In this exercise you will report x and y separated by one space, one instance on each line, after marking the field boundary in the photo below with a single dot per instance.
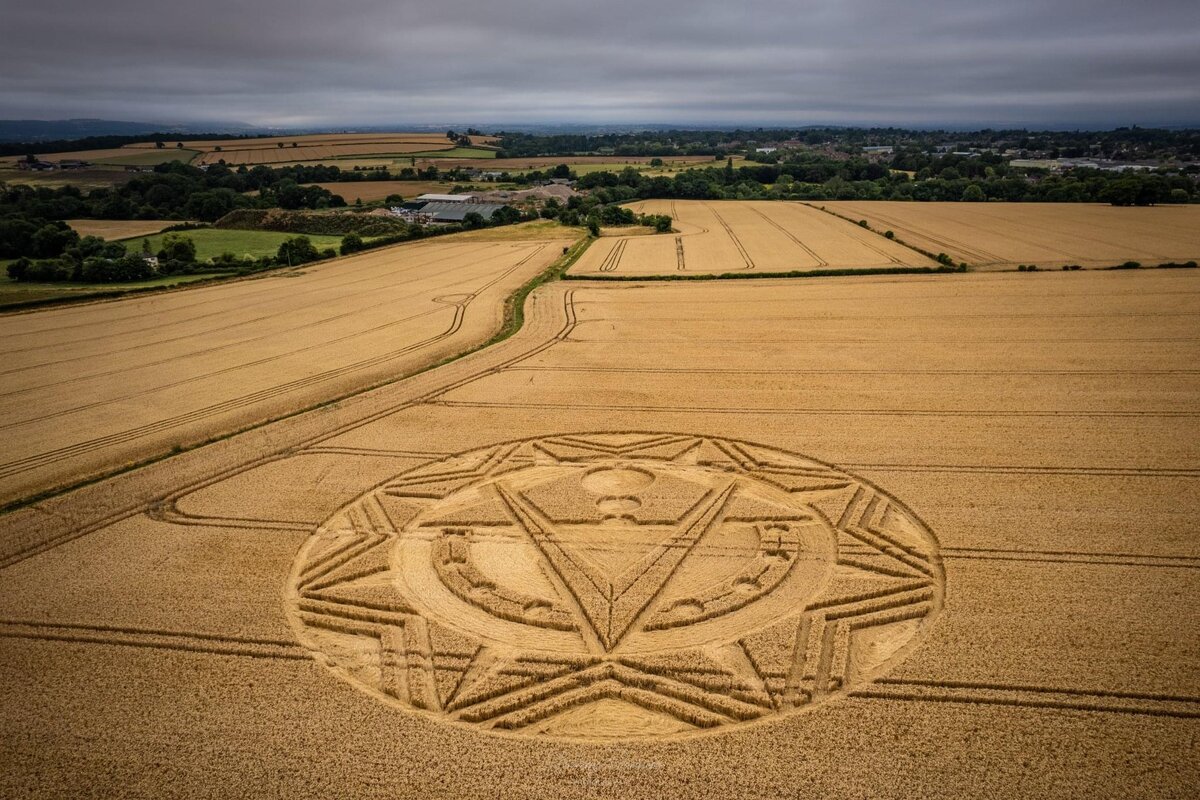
796 273
963 267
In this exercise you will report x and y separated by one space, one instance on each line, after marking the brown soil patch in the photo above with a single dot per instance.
119 228
1004 235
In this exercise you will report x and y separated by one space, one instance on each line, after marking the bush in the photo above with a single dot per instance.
296 250
889 235
1129 265
177 247
116 270
351 243
16 270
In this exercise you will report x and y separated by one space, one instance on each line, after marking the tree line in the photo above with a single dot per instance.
861 180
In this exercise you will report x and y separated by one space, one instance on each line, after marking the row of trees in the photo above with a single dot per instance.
796 182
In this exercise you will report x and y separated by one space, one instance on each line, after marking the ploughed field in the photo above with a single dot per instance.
1005 235
720 236
86 389
905 536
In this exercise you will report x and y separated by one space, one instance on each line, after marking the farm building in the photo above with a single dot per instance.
457 212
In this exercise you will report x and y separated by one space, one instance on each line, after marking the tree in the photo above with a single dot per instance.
473 219
656 162
351 243
296 250
177 247
593 226
51 240
974 193
159 144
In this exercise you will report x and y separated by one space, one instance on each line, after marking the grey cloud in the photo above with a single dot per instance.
766 61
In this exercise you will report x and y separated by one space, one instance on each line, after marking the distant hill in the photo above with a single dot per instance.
41 130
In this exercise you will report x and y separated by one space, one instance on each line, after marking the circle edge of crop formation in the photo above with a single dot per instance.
445 560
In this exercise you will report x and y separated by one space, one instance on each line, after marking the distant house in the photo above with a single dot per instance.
36 166
151 261
765 149
73 163
879 150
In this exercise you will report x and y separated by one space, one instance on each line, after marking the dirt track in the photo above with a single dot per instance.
234 616
88 388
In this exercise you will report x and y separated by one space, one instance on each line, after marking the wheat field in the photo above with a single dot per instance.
89 388
910 536
1005 235
719 236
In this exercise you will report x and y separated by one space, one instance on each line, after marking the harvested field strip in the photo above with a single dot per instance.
820 261
10 468
196 377
318 278
750 239
119 229
256 321
733 237
1001 235
236 349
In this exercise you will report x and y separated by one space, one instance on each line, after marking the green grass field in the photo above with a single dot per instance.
12 292
211 242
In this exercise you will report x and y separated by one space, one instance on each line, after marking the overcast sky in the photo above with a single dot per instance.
377 62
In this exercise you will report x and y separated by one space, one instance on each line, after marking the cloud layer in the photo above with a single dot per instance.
362 62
